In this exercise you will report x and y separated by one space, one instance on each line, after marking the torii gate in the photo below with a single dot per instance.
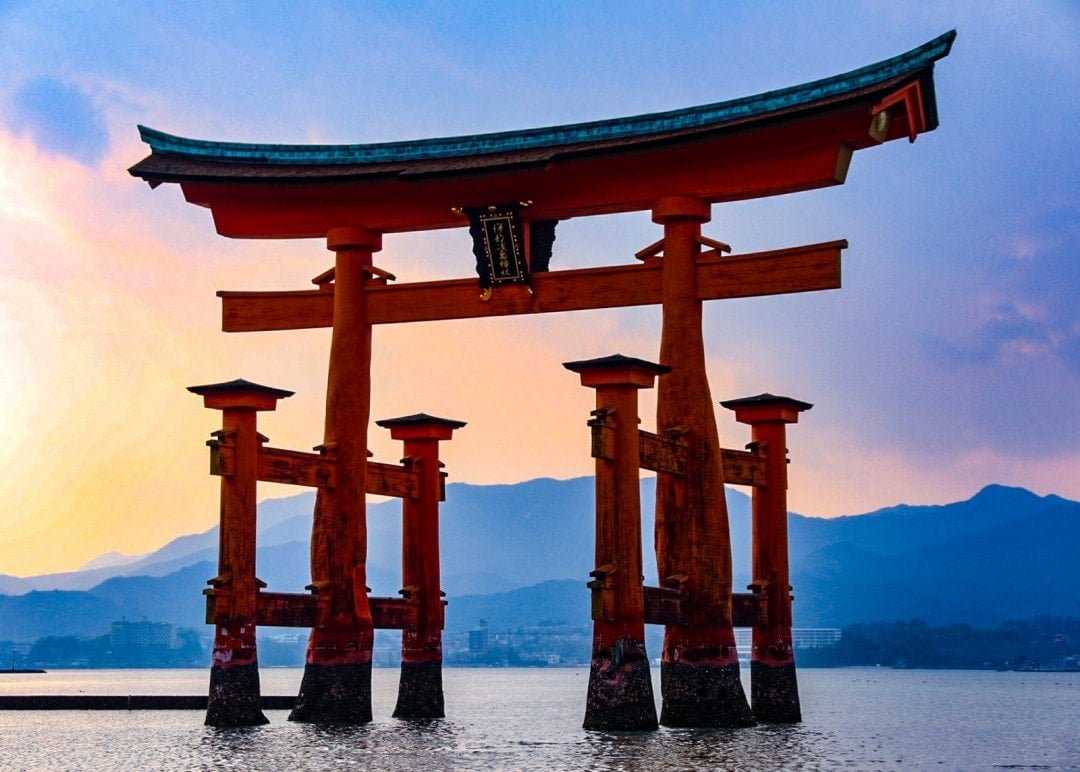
675 165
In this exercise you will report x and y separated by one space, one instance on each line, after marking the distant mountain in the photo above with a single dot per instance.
560 601
486 531
1003 554
110 560
515 554
178 553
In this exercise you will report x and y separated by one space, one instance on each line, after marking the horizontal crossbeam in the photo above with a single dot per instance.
301 609
665 606
798 269
747 610
742 467
294 467
658 454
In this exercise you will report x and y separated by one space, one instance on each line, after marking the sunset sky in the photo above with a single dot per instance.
949 360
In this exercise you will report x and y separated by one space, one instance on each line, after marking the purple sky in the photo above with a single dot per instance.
949 360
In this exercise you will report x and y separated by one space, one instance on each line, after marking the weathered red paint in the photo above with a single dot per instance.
234 698
699 667
337 674
773 688
420 690
620 694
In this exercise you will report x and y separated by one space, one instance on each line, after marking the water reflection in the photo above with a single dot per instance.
532 720
761 747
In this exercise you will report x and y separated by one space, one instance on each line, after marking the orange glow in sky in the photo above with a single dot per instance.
949 360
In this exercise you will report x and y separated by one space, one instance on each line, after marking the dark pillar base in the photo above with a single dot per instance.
334 694
420 690
234 698
620 690
703 696
774 692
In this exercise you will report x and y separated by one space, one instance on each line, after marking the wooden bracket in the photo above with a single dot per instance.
651 251
326 278
718 247
654 249
603 433
603 594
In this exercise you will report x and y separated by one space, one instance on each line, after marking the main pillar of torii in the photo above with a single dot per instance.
699 667
336 686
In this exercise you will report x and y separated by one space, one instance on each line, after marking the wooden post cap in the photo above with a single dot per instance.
420 426
766 407
239 394
680 207
617 370
353 236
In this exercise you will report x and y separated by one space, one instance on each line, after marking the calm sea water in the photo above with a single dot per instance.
525 719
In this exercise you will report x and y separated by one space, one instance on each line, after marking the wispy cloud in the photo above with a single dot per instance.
61 118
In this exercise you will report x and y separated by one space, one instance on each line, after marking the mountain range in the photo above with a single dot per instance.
519 554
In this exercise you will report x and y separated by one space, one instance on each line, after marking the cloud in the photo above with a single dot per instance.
61 118
1013 333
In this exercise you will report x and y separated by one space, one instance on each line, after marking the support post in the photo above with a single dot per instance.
420 690
774 689
234 698
699 666
620 695
336 687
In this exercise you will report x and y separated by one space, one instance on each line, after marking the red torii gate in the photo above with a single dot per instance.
675 165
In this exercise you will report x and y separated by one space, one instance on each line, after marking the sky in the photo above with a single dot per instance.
949 360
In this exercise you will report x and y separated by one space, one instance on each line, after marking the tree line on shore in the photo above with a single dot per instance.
1031 644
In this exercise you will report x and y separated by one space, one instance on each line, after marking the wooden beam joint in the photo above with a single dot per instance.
742 467
748 609
317 470
666 606
658 454
284 609
394 613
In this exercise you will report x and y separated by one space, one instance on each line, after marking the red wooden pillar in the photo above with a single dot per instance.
774 689
420 690
336 687
620 692
234 698
699 667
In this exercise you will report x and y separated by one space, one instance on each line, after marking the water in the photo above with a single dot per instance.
525 719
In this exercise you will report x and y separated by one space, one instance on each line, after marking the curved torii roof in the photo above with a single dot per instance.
781 141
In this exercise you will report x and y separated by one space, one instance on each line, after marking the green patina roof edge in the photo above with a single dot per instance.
558 136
